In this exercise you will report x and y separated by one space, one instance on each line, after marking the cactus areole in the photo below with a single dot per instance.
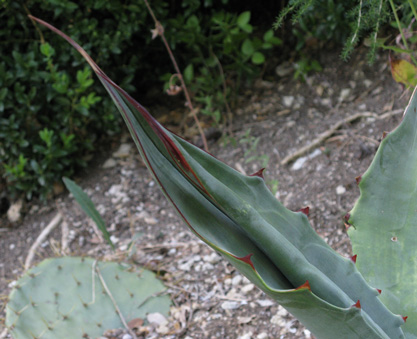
276 248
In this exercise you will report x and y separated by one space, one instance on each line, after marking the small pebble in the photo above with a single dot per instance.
156 318
230 305
247 288
246 336
110 163
340 190
288 101
265 303
236 280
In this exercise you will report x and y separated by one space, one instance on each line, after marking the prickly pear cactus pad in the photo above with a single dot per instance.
384 221
65 298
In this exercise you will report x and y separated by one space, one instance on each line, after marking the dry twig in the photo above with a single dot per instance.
64 238
48 229
159 30
326 134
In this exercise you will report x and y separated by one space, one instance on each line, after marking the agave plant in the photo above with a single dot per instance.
276 248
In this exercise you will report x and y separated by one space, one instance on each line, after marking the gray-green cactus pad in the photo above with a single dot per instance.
60 299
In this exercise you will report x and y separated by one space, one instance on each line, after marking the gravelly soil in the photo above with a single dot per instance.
211 299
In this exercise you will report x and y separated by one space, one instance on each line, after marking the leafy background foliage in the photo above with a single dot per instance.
53 111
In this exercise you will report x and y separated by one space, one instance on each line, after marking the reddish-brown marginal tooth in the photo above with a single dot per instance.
353 258
358 179
347 226
384 134
379 291
347 217
247 259
259 174
357 305
405 318
306 285
305 210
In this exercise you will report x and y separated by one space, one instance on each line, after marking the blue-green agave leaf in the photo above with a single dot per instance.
237 216
384 219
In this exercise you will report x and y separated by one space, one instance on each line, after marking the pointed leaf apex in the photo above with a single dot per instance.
379 291
358 179
259 174
306 285
357 305
405 318
305 210
353 258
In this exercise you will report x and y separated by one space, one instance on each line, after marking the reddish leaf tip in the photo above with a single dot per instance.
358 179
247 259
305 210
259 174
384 135
353 258
357 305
405 318
306 285
379 291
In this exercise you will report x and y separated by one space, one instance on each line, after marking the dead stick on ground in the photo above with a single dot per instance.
64 238
326 134
54 223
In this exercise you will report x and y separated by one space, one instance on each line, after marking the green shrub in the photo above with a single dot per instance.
39 144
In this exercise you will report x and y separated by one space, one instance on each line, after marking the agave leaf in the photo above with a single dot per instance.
237 216
384 219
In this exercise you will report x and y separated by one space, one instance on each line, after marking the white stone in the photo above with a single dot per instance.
114 239
367 83
156 318
123 151
265 303
340 190
299 163
246 336
277 320
213 258
230 305
262 335
247 288
117 192
127 336
109 163
344 94
14 211
12 246
288 101
236 280
207 266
